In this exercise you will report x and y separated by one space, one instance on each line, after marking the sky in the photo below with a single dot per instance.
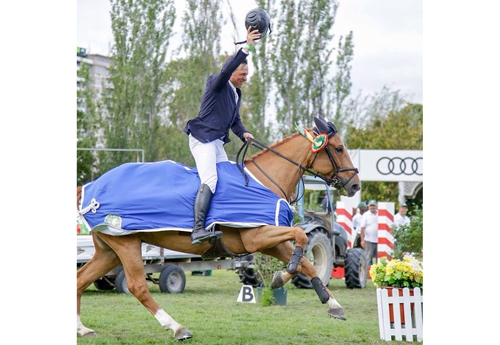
388 39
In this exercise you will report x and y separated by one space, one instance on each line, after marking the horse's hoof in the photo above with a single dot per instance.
337 313
89 335
277 281
182 334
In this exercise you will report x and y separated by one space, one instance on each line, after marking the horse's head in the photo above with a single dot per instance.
332 159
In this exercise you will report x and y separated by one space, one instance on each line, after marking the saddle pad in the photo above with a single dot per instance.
160 196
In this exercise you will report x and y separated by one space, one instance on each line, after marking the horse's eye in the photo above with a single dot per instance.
339 149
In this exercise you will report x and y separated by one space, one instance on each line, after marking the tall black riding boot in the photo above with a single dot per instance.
201 207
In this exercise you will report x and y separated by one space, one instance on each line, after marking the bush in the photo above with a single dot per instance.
266 267
410 239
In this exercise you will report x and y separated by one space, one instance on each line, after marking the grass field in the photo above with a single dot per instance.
208 308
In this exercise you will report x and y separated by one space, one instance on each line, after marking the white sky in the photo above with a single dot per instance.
388 39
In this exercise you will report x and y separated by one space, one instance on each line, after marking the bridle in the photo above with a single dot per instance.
334 180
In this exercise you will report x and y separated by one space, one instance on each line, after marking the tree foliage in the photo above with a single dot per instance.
410 238
142 32
343 84
87 127
301 61
296 72
397 130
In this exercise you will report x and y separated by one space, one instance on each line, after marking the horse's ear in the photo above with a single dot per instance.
322 126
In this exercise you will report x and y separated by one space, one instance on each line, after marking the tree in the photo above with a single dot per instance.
343 82
398 130
142 32
87 127
410 238
200 51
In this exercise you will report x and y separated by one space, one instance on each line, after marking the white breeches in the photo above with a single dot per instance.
207 155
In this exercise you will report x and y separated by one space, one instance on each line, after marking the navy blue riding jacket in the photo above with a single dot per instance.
219 111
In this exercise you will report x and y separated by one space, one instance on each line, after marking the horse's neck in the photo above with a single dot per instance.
284 173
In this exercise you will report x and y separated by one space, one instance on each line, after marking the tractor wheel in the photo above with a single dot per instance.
104 283
319 251
355 268
248 277
301 281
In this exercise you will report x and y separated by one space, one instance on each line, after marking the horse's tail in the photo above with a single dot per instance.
78 195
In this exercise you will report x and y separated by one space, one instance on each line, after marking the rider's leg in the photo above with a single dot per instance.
206 155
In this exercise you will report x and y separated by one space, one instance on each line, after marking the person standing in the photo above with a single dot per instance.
369 233
324 203
356 222
401 218
209 131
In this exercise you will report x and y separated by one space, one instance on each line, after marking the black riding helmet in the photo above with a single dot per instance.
258 19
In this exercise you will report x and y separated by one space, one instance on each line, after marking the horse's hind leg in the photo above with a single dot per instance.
128 249
103 261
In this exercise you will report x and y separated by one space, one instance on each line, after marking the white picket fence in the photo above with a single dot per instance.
413 326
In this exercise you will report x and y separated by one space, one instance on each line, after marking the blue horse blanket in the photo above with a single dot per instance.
160 196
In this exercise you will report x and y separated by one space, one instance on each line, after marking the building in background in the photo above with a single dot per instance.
98 74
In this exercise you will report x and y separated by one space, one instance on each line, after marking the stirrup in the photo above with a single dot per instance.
209 235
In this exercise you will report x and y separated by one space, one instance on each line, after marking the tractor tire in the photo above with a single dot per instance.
104 284
248 276
355 268
301 281
319 251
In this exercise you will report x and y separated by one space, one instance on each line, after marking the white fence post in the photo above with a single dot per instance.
413 326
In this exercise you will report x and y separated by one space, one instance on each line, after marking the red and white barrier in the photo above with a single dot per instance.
385 221
344 218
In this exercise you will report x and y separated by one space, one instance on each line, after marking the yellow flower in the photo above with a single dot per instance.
397 273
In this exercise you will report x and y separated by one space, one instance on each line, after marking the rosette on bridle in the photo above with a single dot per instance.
318 142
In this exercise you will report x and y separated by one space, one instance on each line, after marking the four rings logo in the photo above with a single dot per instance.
399 166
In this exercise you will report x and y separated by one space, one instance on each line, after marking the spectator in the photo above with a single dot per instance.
356 220
401 218
324 203
369 233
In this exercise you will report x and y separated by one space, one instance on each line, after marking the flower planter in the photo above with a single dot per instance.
401 306
400 313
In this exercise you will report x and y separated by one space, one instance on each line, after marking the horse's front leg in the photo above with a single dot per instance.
285 250
324 294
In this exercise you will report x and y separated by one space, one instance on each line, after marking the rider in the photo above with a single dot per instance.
209 131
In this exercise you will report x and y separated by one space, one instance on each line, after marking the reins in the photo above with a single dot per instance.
252 141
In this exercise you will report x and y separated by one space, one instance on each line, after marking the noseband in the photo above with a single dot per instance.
333 180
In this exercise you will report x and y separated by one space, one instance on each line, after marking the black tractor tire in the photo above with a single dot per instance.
172 279
319 251
355 268
104 283
301 281
248 276
121 282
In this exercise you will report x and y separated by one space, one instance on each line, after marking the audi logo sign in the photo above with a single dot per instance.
389 165
398 165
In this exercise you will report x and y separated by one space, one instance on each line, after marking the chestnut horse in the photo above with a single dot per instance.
279 167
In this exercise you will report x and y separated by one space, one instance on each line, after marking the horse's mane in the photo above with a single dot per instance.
273 146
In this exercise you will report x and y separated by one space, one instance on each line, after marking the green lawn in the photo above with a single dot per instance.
208 308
